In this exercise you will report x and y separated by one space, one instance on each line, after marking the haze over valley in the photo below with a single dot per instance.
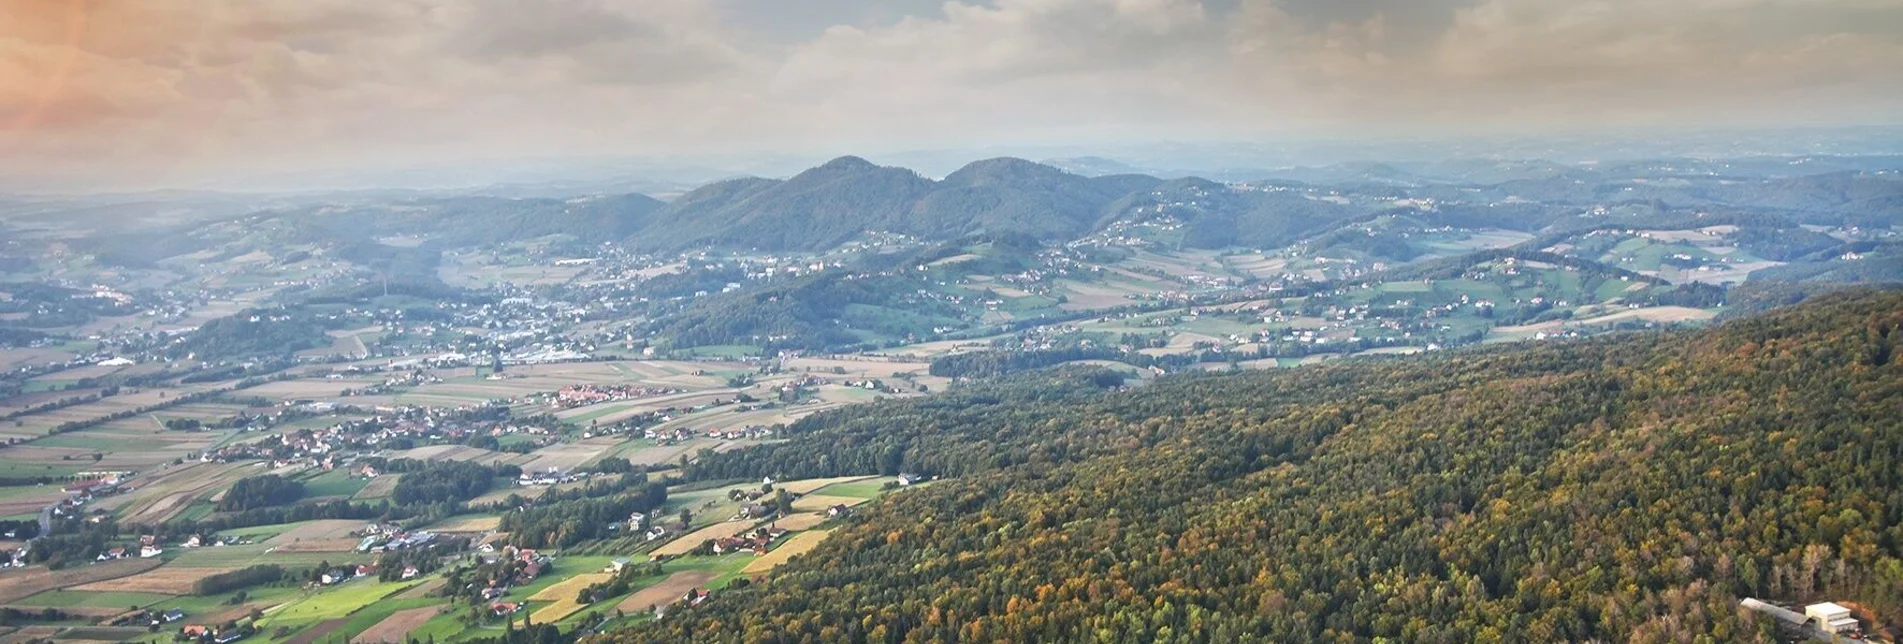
1022 320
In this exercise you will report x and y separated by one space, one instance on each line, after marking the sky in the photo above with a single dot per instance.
120 94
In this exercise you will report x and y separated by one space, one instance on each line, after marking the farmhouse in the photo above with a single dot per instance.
150 551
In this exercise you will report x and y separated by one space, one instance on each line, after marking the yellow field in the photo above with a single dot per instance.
692 540
806 486
820 502
166 581
468 524
800 521
798 545
563 594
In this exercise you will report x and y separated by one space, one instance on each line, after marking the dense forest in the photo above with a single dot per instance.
1627 488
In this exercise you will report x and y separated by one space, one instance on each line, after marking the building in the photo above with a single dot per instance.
1831 618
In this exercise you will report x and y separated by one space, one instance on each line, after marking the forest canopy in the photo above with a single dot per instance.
1629 488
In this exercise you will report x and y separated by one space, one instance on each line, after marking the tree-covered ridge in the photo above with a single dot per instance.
1630 488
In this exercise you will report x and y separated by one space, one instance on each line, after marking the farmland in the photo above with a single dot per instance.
561 597
365 428
393 629
799 544
667 591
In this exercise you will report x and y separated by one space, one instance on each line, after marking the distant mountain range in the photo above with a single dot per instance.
849 197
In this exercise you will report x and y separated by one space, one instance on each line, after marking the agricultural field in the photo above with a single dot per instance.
164 580
395 628
669 590
561 597
794 546
19 583
688 542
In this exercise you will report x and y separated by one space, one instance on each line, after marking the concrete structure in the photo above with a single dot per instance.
1779 613
1831 618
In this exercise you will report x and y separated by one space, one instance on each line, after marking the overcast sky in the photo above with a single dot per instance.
125 93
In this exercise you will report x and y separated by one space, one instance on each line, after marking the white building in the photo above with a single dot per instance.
1831 618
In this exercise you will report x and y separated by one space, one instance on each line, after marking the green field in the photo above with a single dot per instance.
866 489
17 469
76 599
84 440
23 490
333 602
333 483
253 554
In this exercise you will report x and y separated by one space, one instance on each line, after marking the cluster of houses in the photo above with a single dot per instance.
149 546
749 431
532 565
347 572
332 447
584 395
756 541
201 632
550 476
384 538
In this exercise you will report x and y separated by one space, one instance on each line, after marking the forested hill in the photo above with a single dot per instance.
1630 488
828 205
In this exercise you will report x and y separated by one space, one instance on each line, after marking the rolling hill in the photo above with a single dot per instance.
1628 488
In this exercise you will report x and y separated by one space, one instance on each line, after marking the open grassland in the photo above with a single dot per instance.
563 595
335 483
1657 314
808 486
333 603
468 523
668 591
688 542
18 583
864 487
319 530
80 598
820 502
167 580
257 553
799 544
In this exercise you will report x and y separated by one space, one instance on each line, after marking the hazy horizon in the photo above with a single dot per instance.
116 95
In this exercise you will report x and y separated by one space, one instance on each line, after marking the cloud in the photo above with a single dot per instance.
166 91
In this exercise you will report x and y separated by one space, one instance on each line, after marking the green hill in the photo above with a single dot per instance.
833 203
1629 488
